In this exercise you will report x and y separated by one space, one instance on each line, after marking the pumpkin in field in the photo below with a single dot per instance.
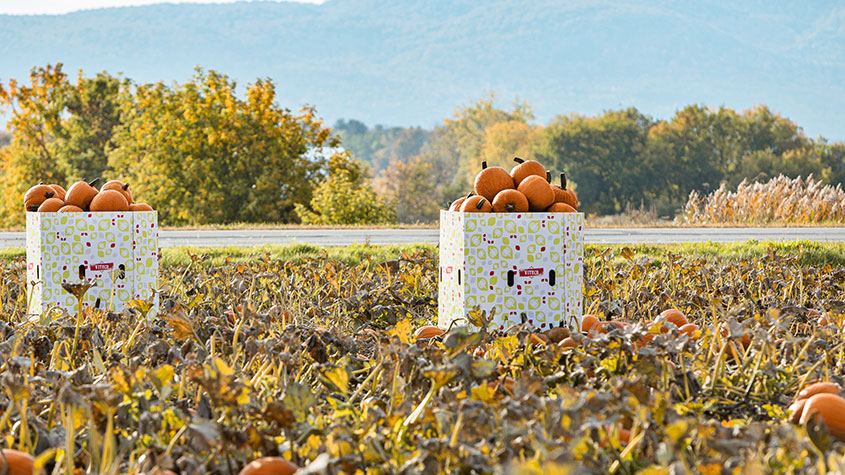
70 209
563 195
510 201
428 331
60 192
587 322
673 316
526 168
828 407
37 195
51 205
796 409
689 330
476 204
140 207
560 208
539 193
119 186
491 180
15 462
81 193
269 466
109 200
557 334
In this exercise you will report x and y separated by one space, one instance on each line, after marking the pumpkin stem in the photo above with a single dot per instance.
518 160
49 194
479 204
470 194
32 208
93 183
125 186
510 207
484 165
563 181
548 176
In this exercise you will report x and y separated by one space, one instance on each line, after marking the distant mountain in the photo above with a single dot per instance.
412 62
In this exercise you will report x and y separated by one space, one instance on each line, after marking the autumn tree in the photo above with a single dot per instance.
345 197
410 188
202 154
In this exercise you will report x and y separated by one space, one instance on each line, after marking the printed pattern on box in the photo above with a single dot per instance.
514 266
119 251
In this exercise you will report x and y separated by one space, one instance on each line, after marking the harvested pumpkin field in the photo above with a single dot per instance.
314 360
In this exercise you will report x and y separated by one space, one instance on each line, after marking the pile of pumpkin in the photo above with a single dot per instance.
82 196
527 187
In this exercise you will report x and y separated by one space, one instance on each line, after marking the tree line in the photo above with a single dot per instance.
616 159
204 151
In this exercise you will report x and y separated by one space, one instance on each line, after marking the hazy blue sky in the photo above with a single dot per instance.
29 7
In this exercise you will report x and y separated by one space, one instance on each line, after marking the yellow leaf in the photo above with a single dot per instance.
402 330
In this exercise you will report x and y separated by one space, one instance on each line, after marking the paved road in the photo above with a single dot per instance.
339 237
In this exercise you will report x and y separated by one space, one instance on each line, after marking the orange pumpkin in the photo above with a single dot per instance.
560 208
51 205
109 200
490 181
689 330
588 321
60 192
80 193
510 201
675 316
37 195
269 466
456 205
830 408
818 388
526 168
476 204
70 209
539 193
15 462
140 207
568 342
563 195
428 331
123 188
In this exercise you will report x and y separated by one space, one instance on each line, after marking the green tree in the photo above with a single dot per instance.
201 154
602 155
345 197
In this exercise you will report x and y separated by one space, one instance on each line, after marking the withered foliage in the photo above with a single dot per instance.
315 361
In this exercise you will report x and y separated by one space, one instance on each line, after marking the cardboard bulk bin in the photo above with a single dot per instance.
118 251
518 267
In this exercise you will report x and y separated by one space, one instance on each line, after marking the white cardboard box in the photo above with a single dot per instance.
515 266
117 250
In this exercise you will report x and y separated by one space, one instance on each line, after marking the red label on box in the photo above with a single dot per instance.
449 270
531 272
102 266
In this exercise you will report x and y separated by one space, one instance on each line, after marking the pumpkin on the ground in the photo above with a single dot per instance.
428 331
539 193
510 201
526 168
269 466
15 462
830 408
37 195
476 204
109 200
491 180
81 193
51 205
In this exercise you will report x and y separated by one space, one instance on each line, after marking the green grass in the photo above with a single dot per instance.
812 253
